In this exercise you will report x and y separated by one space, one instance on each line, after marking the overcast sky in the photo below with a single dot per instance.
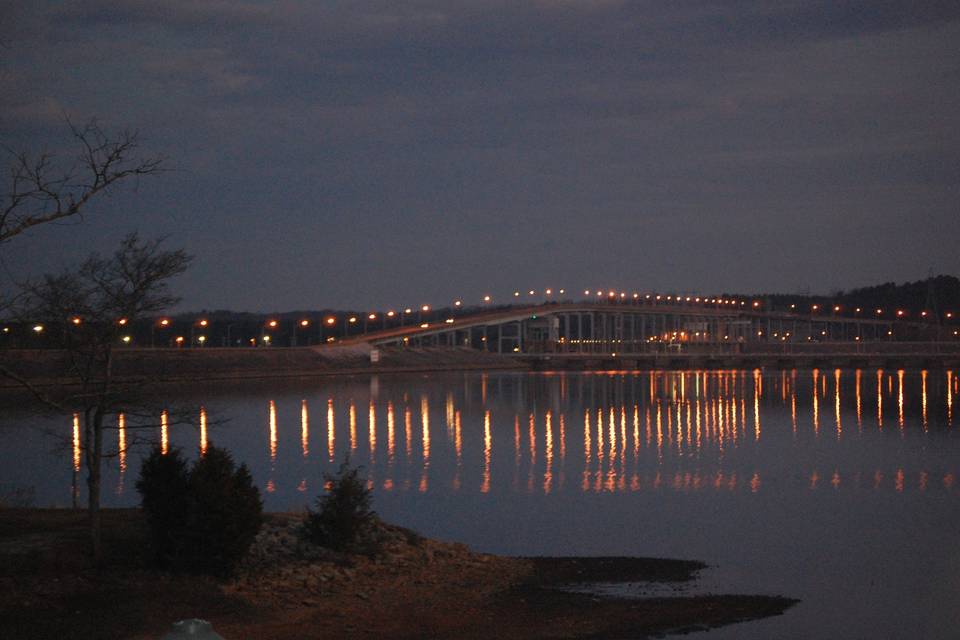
375 154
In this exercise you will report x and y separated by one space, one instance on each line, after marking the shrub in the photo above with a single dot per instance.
343 520
203 520
224 512
163 485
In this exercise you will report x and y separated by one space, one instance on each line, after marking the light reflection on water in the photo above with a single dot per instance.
790 481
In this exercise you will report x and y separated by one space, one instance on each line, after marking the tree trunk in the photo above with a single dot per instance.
94 463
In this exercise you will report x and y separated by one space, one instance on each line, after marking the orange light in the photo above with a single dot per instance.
179 340
331 320
424 325
756 304
122 321
457 303
75 320
815 307
486 298
390 314
38 328
272 324
408 310
879 311
164 322
353 319
549 292
304 323
203 323
836 308
899 312
372 316
425 307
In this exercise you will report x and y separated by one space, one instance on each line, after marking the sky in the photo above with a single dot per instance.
374 154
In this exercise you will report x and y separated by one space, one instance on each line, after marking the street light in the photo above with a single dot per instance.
163 322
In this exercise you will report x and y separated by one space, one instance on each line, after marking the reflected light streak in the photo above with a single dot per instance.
949 399
331 433
659 431
458 446
816 404
587 448
859 420
880 398
372 424
563 449
612 435
532 435
757 390
76 442
548 453
900 398
273 432
425 435
204 435
408 432
923 397
836 401
793 409
487 452
122 443
563 438
353 428
391 433
304 429
164 433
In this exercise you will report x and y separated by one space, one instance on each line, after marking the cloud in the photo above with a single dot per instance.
314 131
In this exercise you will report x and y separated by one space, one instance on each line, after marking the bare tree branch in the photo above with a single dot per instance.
39 193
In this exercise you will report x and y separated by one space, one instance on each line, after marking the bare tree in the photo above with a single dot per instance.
40 191
92 307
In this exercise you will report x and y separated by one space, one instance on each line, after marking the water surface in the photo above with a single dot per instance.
836 487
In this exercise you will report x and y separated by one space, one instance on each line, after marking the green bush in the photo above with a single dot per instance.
203 520
343 520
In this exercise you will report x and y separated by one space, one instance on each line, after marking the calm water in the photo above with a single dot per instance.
836 487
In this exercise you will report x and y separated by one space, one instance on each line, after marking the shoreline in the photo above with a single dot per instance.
169 368
417 587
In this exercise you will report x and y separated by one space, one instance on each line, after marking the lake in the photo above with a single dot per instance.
835 487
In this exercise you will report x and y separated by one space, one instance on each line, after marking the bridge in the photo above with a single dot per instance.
635 328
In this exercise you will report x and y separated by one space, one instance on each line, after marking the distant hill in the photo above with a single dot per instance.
936 295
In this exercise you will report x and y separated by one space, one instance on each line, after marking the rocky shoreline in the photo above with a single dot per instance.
288 589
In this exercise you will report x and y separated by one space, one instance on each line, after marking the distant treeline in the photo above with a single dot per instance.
937 296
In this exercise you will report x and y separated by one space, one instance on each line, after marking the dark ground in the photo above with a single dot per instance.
417 588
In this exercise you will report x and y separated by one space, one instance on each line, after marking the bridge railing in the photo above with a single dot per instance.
627 347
